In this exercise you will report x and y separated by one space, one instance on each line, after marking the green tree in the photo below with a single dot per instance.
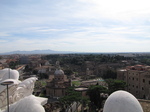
110 74
114 85
96 99
13 64
27 69
35 72
70 97
68 72
42 76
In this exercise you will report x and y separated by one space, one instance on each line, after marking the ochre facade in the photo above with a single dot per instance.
137 79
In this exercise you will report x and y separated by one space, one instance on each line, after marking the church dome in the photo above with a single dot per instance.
59 72
122 101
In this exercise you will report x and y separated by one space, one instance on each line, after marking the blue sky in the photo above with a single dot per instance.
75 25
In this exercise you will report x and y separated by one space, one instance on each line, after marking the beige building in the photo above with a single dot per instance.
137 79
57 84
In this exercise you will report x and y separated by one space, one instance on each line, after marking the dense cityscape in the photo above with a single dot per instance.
83 82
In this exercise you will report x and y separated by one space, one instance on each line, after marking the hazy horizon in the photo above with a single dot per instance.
49 51
75 25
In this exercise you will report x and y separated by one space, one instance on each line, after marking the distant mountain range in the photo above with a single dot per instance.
37 52
71 52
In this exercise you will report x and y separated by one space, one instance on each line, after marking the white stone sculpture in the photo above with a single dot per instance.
122 101
20 93
27 104
8 74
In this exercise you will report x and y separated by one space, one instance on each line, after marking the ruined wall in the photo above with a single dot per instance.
145 105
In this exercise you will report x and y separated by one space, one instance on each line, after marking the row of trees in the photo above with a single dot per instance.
72 96
13 64
79 59
109 74
97 95
144 59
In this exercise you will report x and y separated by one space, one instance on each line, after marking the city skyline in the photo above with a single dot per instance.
75 25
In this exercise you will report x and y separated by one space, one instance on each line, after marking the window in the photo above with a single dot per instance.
136 86
143 80
142 88
133 78
149 82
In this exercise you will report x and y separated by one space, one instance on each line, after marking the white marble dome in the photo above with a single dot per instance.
59 72
122 101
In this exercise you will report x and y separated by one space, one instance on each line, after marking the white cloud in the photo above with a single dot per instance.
4 34
120 10
2 41
78 25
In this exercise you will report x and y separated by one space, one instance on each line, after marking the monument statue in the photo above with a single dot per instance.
20 93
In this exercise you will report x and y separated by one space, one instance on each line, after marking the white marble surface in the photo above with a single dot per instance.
122 101
27 104
6 74
20 93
